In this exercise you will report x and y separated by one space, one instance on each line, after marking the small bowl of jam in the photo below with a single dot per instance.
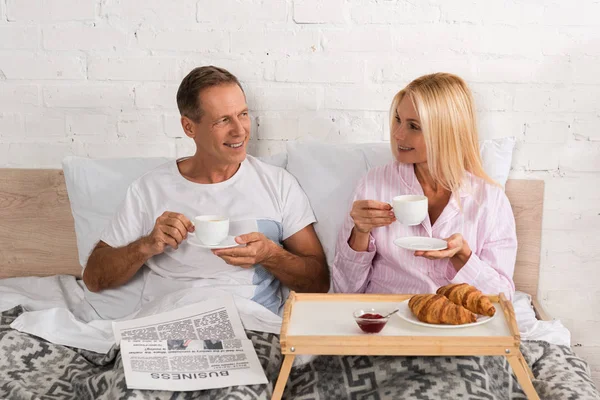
371 320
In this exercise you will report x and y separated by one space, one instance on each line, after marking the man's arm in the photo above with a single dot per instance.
110 267
300 265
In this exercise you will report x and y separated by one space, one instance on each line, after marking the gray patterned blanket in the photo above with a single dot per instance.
32 368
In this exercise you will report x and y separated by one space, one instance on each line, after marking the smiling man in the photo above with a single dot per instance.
269 213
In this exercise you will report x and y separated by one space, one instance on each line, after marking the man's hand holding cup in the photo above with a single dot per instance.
170 229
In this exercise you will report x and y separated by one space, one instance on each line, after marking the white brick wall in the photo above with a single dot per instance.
51 10
201 41
276 42
363 39
16 96
81 123
126 68
255 69
162 13
78 36
45 125
172 126
242 12
509 12
387 12
359 98
587 128
19 38
11 125
89 95
18 65
137 125
98 78
156 95
277 127
283 97
320 11
321 70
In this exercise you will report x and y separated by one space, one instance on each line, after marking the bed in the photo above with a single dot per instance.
39 253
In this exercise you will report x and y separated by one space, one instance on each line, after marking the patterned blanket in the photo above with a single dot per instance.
32 368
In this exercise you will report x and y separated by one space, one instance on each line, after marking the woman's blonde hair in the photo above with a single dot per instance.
446 109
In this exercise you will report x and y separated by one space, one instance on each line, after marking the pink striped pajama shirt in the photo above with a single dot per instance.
486 222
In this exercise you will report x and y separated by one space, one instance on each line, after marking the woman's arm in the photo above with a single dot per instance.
491 269
355 247
351 269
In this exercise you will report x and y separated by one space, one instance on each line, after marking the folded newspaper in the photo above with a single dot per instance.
196 347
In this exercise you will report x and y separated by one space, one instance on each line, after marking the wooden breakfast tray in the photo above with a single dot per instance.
322 324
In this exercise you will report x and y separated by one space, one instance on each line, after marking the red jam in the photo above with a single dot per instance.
370 323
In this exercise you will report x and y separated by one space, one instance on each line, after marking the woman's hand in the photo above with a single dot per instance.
458 252
369 214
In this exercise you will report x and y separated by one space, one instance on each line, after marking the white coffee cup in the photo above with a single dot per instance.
410 209
211 229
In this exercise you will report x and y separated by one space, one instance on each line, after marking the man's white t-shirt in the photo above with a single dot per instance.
258 198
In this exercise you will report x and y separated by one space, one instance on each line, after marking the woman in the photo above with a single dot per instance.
435 145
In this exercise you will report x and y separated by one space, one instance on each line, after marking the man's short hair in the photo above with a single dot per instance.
200 78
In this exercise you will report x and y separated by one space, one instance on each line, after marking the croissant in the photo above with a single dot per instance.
437 309
469 297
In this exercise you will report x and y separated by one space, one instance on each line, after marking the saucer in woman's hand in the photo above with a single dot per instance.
226 243
421 243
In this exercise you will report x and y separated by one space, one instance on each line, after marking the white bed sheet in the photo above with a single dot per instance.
56 311
531 328
36 293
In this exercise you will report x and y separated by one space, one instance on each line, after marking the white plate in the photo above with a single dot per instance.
225 244
407 315
421 243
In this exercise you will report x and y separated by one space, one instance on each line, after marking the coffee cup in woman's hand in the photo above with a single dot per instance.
410 209
369 214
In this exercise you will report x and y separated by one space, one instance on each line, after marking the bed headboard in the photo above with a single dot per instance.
527 200
37 235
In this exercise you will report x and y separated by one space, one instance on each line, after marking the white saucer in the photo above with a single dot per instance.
421 243
407 315
225 244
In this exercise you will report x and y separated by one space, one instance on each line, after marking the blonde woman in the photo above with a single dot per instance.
435 145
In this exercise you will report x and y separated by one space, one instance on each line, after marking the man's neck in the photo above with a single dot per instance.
199 169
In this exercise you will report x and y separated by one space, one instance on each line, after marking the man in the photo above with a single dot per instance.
266 206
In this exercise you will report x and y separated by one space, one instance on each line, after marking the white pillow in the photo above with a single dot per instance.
329 174
496 155
96 188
